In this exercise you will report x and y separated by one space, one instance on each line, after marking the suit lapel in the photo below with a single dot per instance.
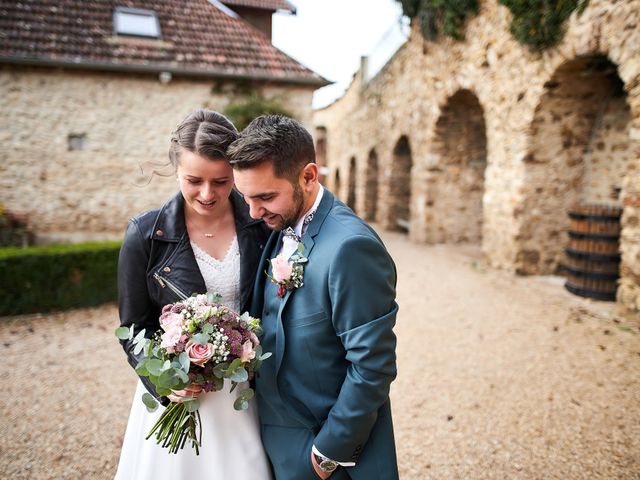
308 241
261 280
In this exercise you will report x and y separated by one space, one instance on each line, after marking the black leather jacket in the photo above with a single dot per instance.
156 262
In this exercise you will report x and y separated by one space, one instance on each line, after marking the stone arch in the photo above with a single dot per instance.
580 152
351 190
455 177
400 186
371 187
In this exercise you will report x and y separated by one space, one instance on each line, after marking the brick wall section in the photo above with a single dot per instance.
556 133
126 120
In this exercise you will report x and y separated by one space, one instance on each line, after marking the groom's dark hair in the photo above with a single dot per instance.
280 140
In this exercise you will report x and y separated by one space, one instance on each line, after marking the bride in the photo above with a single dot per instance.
202 239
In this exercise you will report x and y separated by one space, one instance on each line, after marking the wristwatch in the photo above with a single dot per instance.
325 464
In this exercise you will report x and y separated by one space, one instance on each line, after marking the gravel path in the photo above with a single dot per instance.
500 377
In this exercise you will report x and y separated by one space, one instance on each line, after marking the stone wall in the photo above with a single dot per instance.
503 142
74 143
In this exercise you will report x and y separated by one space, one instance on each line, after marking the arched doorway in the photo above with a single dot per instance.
371 188
580 154
351 192
337 184
400 186
454 205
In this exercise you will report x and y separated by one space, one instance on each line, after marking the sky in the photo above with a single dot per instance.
330 36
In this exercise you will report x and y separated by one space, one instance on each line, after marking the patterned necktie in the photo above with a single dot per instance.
289 232
307 220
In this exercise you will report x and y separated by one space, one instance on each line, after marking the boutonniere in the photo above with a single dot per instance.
288 274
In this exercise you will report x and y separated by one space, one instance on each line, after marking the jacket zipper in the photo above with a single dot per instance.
166 283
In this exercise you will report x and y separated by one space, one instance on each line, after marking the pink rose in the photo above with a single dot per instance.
282 269
254 338
171 337
167 308
170 320
247 351
199 354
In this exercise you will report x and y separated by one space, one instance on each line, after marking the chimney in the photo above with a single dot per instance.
364 72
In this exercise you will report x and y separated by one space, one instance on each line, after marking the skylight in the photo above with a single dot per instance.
224 8
136 22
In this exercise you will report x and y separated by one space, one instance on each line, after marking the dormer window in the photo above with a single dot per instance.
136 22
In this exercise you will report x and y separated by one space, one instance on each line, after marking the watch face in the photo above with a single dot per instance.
328 465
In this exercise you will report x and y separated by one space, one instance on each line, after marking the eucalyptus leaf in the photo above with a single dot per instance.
207 328
240 404
138 348
192 405
122 333
220 370
265 356
183 376
201 338
246 394
173 378
240 375
237 363
163 392
154 367
139 336
142 368
166 365
218 382
183 358
150 402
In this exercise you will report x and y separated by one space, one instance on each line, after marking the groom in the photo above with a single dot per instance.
324 394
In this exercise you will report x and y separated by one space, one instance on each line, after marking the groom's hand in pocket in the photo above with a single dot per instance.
316 467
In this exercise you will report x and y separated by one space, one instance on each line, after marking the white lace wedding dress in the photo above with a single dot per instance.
231 446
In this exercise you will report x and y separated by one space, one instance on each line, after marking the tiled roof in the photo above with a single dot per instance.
197 39
262 4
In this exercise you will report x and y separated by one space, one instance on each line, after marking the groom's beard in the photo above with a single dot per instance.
291 216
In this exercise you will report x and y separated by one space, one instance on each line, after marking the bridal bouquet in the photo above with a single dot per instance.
200 344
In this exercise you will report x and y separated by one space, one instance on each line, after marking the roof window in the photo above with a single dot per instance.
136 22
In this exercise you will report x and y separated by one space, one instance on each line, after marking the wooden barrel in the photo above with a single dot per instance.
592 259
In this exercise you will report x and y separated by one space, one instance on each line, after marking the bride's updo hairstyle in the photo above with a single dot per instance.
205 133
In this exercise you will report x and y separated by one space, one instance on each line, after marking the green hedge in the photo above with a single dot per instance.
41 279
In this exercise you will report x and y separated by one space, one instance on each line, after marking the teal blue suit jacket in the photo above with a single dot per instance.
334 357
